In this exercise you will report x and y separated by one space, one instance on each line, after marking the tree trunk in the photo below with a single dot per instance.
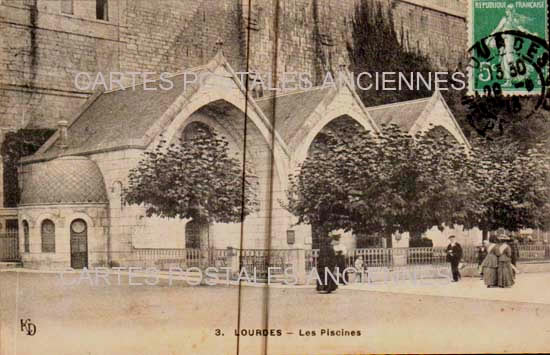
204 249
415 235
388 240
485 234
204 233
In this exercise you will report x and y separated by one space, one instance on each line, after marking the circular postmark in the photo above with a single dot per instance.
508 75
509 62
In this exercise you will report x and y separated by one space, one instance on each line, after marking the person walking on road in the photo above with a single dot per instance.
504 272
481 255
327 262
359 269
489 265
454 255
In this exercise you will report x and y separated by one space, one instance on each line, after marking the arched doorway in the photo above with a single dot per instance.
341 129
79 244
193 235
228 122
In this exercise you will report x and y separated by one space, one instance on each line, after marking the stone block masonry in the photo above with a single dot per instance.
46 48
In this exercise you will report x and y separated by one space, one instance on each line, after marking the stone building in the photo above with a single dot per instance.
72 211
46 43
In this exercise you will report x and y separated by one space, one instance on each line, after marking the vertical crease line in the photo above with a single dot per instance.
272 174
243 182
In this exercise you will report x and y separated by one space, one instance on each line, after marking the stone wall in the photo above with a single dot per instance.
115 167
44 51
46 48
438 32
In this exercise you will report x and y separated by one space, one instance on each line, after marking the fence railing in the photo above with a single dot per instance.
253 260
312 256
534 252
373 257
390 257
160 259
9 246
259 260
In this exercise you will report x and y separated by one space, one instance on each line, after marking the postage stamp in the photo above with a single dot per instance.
508 45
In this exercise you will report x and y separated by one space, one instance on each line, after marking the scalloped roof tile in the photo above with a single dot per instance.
64 180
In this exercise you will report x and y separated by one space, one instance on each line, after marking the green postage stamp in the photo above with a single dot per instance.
508 46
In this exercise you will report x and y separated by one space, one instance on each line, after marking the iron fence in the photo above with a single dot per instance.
157 258
253 260
390 257
373 257
533 252
9 245
257 261
312 256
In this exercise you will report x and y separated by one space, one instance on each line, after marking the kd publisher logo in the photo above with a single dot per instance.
28 327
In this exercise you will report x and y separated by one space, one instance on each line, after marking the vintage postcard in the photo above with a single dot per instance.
274 177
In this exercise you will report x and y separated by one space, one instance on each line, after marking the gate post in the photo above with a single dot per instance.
298 260
233 261
1 175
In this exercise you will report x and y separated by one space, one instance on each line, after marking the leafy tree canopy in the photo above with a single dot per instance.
512 186
376 48
17 145
393 182
386 183
194 179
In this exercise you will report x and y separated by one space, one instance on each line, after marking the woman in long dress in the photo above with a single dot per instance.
326 262
505 273
341 256
489 266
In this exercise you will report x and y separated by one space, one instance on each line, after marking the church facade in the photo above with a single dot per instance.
72 211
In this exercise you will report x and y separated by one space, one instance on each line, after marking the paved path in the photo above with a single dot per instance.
529 288
123 319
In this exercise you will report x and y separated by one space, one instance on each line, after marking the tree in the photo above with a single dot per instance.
376 48
382 183
423 182
17 145
515 121
393 182
195 179
512 187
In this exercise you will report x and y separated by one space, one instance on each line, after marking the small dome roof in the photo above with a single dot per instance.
63 181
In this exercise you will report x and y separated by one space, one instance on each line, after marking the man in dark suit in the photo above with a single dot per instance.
454 255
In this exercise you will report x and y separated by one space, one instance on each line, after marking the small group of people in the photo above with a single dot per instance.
497 261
